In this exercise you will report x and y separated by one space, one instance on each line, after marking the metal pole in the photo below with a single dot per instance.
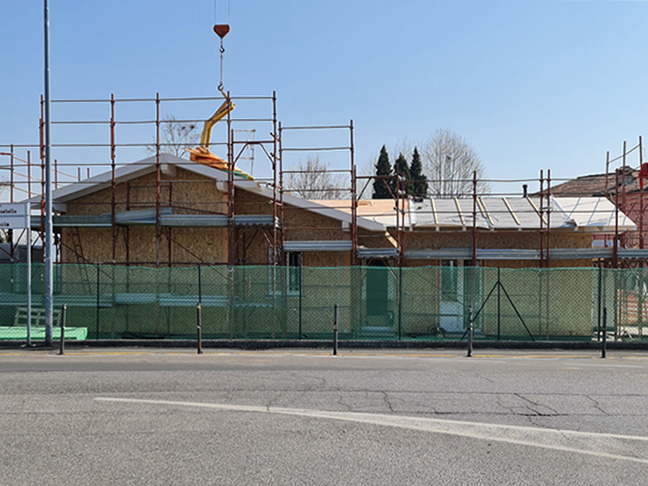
98 301
199 327
63 318
29 276
600 284
301 295
11 186
641 199
199 284
158 181
474 225
354 201
548 233
499 305
400 300
604 346
49 237
400 205
335 330
615 247
470 333
113 183
541 219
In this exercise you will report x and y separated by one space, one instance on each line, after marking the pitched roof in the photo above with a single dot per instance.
595 184
145 166
587 214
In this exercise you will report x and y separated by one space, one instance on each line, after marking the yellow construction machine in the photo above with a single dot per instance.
202 154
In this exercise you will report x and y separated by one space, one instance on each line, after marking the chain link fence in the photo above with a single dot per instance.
375 303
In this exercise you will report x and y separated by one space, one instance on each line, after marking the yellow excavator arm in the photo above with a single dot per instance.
221 113
202 153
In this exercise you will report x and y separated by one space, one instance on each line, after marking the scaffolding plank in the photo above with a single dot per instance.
323 245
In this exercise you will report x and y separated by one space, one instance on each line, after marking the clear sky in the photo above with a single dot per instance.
530 84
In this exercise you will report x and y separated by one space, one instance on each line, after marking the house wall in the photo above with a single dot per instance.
299 225
186 192
493 240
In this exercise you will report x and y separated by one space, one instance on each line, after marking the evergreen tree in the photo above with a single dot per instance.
383 168
419 183
402 168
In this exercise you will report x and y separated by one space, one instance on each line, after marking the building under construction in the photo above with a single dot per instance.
274 262
166 210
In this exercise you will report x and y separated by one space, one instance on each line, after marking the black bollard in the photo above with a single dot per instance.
63 317
604 342
199 327
470 333
335 330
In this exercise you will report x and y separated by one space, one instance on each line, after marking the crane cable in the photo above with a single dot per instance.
221 31
222 52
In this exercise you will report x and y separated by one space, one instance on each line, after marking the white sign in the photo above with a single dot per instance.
14 216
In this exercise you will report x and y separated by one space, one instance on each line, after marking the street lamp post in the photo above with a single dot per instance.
49 237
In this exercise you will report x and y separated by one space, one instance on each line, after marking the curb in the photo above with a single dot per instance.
311 344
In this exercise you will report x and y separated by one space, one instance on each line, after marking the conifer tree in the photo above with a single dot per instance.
383 168
402 168
419 183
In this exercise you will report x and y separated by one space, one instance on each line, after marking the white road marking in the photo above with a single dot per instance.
609 446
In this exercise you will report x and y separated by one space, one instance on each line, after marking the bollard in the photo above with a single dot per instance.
604 341
199 327
335 330
470 333
63 317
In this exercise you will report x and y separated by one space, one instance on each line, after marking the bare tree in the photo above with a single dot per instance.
175 136
312 180
448 163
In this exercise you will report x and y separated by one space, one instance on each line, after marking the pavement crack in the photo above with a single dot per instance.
344 404
597 405
489 380
387 401
533 407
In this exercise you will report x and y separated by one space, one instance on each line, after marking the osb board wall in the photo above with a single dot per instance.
253 245
494 239
208 244
325 259
373 239
299 225
190 194
509 240
246 202
254 249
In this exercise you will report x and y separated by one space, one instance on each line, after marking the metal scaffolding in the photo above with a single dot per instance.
124 132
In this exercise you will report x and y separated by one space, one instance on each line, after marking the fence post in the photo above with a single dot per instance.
499 304
199 327
600 303
604 344
335 330
470 332
63 318
199 284
301 295
400 302
98 300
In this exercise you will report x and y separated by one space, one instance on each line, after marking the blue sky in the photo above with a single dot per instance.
529 84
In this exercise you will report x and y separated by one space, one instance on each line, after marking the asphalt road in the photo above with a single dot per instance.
304 417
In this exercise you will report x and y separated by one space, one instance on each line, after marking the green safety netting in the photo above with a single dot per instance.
375 303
